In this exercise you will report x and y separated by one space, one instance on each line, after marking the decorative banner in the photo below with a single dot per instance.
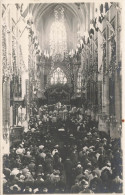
110 26
107 7
22 64
118 8
102 35
14 58
5 66
27 99
89 49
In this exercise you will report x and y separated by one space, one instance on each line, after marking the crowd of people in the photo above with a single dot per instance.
62 151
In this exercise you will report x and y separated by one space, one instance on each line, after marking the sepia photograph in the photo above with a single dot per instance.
61 97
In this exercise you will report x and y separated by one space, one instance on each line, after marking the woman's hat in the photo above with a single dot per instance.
16 187
41 147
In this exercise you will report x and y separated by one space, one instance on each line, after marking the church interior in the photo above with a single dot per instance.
62 98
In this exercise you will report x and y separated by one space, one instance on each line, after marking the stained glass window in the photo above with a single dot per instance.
58 36
58 76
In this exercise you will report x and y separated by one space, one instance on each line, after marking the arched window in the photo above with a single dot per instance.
58 76
58 36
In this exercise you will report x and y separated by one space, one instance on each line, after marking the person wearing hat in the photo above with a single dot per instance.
74 157
42 156
41 147
28 156
27 190
31 166
65 113
82 153
85 187
68 166
25 170
78 169
88 173
116 183
95 185
39 181
109 154
4 181
60 114
55 176
21 181
54 118
36 191
106 180
92 158
15 171
48 184
57 163
55 150
39 169
96 170
76 187
15 189
29 179
45 191
6 171
48 165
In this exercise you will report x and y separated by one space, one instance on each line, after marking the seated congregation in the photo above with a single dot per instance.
62 151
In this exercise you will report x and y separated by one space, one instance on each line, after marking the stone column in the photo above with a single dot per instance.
6 84
27 99
41 79
118 109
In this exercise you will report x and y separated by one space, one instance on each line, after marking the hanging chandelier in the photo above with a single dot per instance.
58 36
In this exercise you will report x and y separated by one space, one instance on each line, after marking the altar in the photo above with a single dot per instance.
58 93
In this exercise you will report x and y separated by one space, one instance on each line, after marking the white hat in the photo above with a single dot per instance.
4 181
42 179
79 165
89 133
19 151
108 168
22 177
36 190
15 171
45 190
33 129
15 185
41 147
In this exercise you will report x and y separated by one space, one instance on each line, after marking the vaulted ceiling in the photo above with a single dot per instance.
43 16
46 10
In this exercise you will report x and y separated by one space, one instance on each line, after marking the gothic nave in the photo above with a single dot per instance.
61 98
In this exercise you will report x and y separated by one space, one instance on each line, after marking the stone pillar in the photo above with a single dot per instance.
6 61
105 103
27 100
118 109
105 84
6 116
40 93
106 79
11 116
